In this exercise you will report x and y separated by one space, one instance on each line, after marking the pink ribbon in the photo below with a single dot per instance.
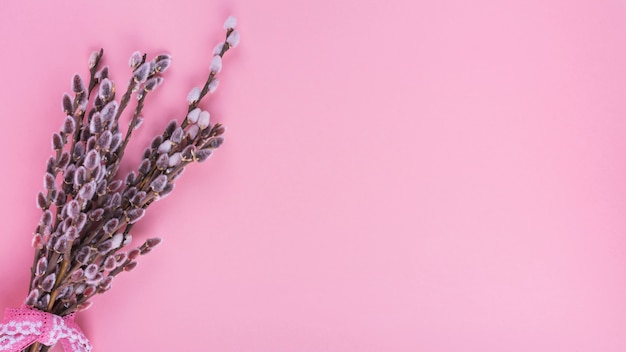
25 326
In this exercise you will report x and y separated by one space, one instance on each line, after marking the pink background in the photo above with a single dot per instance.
398 175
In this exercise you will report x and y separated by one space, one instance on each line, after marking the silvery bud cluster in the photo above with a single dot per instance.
88 207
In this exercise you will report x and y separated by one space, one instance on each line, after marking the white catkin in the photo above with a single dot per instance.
165 147
230 22
192 116
213 85
216 64
117 240
194 95
218 49
203 120
233 38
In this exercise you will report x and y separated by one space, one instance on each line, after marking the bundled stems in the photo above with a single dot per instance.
88 210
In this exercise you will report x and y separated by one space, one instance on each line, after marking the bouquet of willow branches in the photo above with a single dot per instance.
81 242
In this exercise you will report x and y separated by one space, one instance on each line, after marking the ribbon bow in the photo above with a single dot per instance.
24 326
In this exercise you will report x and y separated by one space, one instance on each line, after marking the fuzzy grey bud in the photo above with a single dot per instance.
138 198
77 84
89 291
230 23
165 147
130 266
81 103
79 150
163 56
83 255
193 96
42 201
110 226
214 142
96 214
145 166
188 153
192 116
87 190
131 177
101 188
64 159
162 162
233 39
46 218
216 64
133 254
105 285
69 125
134 215
37 241
175 159
215 82
65 224
130 192
141 73
105 91
80 221
61 244
103 73
156 142
104 141
167 190
65 292
71 233
95 125
153 83
135 60
91 271
72 208
32 298
204 119
108 111
57 142
42 265
77 275
117 240
192 132
115 185
138 123
162 65
51 165
45 300
159 183
120 258
105 247
92 159
94 58
169 129
177 135
68 105
116 200
48 282
153 242
60 198
68 173
116 141
203 154
110 263
218 49
49 181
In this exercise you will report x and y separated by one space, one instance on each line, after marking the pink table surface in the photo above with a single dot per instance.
397 175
